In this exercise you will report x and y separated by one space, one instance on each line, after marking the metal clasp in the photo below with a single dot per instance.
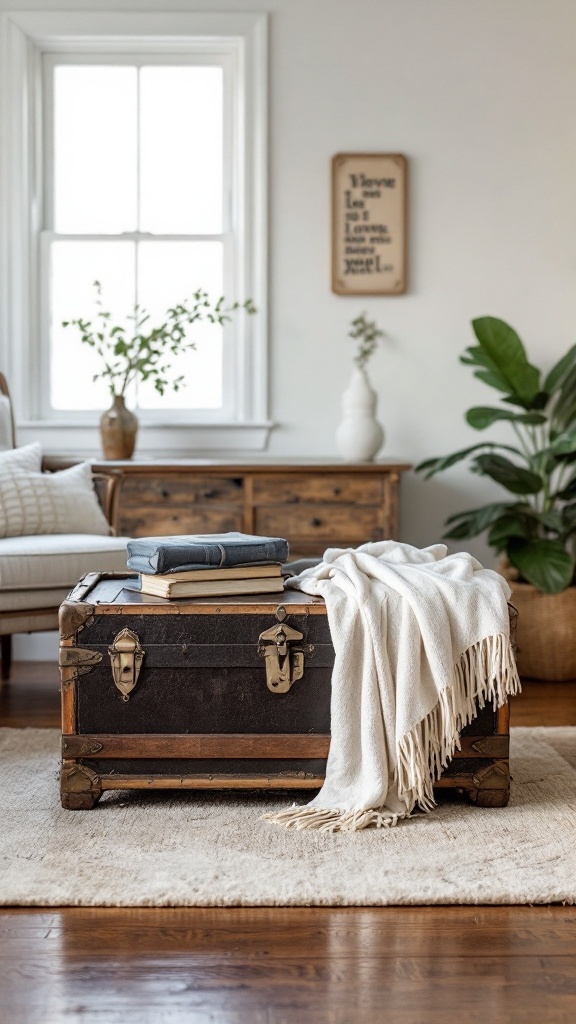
126 655
284 664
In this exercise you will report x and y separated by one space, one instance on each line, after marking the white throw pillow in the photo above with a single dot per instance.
16 460
32 502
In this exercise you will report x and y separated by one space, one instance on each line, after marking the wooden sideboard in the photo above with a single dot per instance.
314 504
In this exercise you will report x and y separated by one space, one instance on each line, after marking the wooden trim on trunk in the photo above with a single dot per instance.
234 745
503 719
493 779
215 745
211 782
497 746
491 776
68 692
188 606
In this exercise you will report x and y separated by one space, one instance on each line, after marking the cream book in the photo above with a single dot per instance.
165 586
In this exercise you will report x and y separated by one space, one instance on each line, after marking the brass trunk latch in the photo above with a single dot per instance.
126 655
284 664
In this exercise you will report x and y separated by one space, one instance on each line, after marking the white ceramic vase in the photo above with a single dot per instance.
359 435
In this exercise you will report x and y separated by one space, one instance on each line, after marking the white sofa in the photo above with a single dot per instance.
37 572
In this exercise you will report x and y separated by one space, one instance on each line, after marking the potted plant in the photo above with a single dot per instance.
359 435
535 529
145 352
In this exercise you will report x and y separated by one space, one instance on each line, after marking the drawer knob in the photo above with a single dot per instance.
316 522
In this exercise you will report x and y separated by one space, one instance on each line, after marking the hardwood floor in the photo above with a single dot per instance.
406 965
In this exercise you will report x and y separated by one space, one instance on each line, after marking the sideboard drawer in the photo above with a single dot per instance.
177 490
321 522
336 488
158 521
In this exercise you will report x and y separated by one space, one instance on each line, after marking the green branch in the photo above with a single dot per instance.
128 356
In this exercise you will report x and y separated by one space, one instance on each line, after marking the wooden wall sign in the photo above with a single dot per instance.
369 200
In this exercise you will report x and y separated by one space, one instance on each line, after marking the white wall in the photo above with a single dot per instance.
480 96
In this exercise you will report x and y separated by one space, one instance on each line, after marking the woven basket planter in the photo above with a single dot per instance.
546 632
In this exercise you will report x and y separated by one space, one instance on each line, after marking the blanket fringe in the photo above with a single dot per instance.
333 821
485 672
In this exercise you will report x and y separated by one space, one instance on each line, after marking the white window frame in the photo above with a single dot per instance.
28 40
234 333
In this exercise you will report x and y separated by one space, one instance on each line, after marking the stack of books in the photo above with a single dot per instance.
208 565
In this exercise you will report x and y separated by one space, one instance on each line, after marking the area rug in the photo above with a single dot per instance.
201 849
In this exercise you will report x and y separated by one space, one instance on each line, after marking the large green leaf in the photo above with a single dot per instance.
507 526
563 444
473 522
507 356
493 380
432 466
565 460
544 563
564 412
568 491
511 476
539 401
461 531
569 519
482 416
523 521
440 462
551 519
560 371
475 355
486 514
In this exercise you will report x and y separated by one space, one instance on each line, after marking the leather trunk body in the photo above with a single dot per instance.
201 712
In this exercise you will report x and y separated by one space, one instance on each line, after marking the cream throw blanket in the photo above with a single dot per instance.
419 636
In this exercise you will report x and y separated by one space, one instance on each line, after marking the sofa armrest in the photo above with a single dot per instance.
107 487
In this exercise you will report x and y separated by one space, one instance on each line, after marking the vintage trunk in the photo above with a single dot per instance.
215 693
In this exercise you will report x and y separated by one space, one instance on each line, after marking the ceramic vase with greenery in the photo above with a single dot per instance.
360 435
145 352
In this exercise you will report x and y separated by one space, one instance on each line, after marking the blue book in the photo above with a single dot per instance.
161 555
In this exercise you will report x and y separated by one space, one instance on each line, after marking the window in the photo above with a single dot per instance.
136 196
149 178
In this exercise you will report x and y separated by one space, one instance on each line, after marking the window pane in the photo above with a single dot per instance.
95 149
75 266
169 273
181 150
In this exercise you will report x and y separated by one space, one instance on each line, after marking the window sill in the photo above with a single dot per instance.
162 439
